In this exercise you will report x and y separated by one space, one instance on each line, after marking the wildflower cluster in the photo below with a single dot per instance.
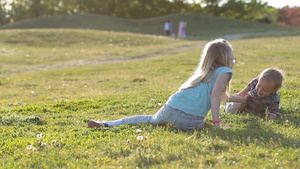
140 137
40 144
140 140
158 105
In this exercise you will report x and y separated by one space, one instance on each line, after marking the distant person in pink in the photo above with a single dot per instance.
182 29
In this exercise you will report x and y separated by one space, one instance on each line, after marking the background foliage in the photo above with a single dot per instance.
254 10
289 16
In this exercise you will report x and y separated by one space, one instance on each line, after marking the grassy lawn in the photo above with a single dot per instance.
45 107
59 103
23 50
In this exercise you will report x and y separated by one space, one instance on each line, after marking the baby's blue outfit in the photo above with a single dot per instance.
196 100
186 109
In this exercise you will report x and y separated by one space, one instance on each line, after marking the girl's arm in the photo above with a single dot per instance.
219 87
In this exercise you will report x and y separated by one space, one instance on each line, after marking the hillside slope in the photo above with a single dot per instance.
199 26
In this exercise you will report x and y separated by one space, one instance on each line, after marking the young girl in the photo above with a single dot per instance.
204 90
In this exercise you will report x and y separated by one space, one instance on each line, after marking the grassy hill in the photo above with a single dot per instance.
199 26
76 40
39 49
44 114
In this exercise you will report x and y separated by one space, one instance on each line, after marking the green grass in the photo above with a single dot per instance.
33 49
58 103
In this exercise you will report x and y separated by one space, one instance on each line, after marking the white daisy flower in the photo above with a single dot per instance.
53 143
140 138
29 147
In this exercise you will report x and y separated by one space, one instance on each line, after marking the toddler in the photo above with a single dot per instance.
262 94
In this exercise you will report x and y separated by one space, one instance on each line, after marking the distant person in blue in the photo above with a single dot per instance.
168 28
204 90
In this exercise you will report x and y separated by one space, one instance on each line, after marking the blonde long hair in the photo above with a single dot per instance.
215 54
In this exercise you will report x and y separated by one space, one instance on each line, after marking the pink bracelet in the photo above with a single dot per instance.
215 121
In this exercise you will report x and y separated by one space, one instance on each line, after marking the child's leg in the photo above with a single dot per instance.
162 116
232 107
130 120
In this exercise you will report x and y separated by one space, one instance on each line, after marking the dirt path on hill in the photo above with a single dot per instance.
117 60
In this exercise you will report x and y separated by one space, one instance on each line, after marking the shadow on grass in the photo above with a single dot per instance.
245 129
16 120
258 130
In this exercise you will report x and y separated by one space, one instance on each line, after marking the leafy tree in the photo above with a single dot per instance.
35 8
92 6
17 11
234 9
3 13
289 16
212 7
254 10
195 8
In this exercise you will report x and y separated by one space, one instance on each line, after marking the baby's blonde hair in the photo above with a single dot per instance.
274 74
215 54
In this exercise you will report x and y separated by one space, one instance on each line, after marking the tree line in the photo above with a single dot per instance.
253 10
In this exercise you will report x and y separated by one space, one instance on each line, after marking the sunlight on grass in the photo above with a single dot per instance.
44 114
25 50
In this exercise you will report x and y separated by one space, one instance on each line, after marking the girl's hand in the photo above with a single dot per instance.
217 125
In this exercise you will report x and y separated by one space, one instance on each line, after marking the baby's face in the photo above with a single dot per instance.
265 87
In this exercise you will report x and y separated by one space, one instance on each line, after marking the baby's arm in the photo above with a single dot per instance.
244 91
272 115
238 99
273 110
